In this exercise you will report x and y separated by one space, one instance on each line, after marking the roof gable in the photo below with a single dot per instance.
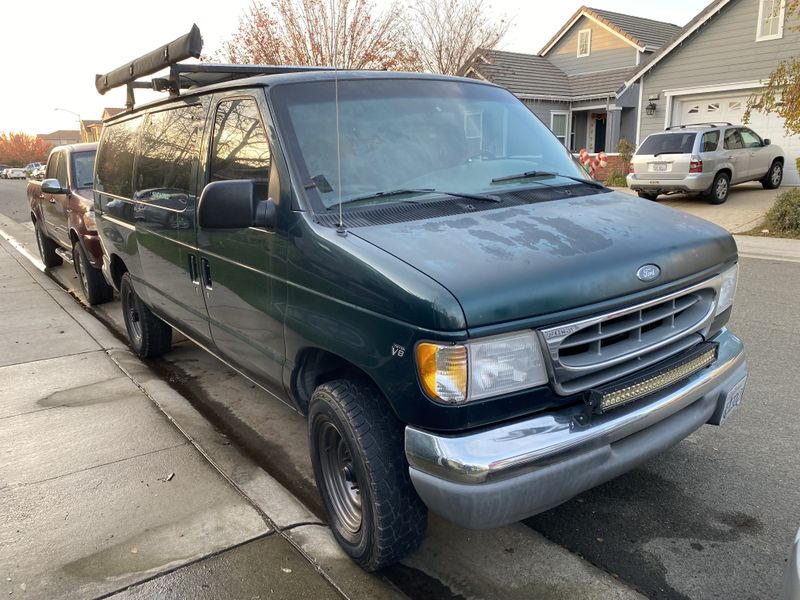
639 32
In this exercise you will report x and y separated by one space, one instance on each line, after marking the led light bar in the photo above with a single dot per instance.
602 400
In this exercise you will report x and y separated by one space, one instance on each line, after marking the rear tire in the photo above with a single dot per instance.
774 177
718 193
648 196
150 337
94 286
47 249
359 463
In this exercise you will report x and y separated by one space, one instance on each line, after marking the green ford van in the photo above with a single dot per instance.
471 325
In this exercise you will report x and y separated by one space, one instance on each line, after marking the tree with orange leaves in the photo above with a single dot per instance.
348 34
19 149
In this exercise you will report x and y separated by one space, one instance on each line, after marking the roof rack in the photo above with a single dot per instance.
711 124
182 76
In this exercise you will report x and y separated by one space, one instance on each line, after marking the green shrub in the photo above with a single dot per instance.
616 179
784 216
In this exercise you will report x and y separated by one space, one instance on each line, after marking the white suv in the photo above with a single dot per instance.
705 159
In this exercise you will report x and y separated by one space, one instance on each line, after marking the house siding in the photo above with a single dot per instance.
543 108
608 50
723 51
627 129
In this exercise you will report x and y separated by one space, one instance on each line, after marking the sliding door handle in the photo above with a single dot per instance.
193 272
205 270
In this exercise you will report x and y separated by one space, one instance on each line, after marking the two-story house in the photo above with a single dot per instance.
711 68
572 83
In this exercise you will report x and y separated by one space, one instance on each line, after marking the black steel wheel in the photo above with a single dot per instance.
356 446
149 336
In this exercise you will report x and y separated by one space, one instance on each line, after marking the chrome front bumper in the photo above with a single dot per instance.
497 476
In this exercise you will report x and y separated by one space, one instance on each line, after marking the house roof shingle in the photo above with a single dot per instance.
649 33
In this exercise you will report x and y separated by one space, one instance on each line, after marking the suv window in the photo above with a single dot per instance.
710 141
733 141
240 148
751 140
679 142
114 174
61 170
168 153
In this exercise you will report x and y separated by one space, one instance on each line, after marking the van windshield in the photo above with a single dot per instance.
668 143
397 134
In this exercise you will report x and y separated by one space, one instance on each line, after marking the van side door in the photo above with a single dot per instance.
165 191
243 270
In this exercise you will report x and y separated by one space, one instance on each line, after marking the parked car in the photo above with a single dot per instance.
14 173
704 159
38 173
471 325
63 217
31 167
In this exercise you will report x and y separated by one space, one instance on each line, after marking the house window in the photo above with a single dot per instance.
694 109
584 42
736 105
558 125
770 19
712 107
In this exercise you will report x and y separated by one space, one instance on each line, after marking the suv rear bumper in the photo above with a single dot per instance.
497 476
695 182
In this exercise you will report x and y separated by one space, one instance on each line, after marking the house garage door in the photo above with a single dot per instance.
730 108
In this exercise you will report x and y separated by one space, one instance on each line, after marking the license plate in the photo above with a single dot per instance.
659 167
732 400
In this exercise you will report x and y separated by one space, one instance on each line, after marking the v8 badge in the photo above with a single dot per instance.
398 350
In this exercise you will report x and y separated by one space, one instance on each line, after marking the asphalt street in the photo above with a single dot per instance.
712 518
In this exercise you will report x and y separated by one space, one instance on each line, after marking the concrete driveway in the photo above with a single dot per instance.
745 209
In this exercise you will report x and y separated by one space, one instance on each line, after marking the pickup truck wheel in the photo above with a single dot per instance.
47 250
718 193
772 180
360 467
95 289
150 336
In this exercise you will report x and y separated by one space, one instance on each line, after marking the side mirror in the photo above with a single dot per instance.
767 142
52 186
233 205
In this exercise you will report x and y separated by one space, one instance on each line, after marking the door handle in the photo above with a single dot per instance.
206 273
193 274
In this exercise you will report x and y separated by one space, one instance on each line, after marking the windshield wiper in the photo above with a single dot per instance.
402 191
530 174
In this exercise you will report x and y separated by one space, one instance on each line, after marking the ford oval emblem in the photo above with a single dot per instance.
648 273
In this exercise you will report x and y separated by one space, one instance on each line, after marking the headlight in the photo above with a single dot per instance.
728 289
89 220
481 368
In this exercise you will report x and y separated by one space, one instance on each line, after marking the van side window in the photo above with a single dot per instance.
168 154
733 141
240 148
710 141
114 171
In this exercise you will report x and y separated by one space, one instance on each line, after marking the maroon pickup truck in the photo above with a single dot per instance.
63 217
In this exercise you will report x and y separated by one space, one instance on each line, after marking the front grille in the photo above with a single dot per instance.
602 348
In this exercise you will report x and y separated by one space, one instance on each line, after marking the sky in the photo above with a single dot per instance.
50 54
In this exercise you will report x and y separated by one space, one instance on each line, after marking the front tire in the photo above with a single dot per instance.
150 337
774 177
362 475
718 193
47 249
94 286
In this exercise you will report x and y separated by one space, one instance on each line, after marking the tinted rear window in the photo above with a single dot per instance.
680 142
115 160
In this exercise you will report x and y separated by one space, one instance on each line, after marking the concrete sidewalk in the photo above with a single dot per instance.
99 490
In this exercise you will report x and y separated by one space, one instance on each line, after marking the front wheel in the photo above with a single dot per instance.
774 177
94 286
150 336
719 189
357 453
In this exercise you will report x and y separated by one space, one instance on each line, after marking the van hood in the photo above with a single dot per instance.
523 261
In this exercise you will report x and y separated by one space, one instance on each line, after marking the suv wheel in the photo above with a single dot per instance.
47 249
719 189
648 195
772 180
94 286
362 475
150 336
